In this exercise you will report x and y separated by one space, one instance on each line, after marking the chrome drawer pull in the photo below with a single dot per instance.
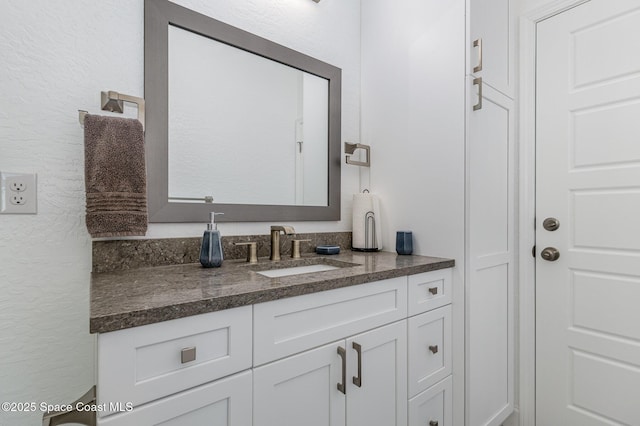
343 354
478 43
433 290
478 82
434 349
188 354
357 380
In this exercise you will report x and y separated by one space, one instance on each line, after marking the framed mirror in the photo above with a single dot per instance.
239 119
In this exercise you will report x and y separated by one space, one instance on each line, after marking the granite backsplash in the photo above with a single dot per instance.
116 255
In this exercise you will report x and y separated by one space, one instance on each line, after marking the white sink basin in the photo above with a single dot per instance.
285 272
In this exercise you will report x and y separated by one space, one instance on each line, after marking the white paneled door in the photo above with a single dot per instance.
588 179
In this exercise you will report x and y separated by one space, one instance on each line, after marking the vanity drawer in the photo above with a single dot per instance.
430 355
433 407
145 363
288 326
429 290
226 402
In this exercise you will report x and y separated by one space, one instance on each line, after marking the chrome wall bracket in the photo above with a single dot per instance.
350 148
114 102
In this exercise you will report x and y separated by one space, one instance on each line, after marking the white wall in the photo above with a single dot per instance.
413 70
56 58
413 118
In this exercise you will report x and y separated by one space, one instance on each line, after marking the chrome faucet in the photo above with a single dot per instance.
275 239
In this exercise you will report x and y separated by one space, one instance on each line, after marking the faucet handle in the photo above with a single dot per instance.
252 250
295 248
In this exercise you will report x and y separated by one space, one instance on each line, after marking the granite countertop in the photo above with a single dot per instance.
129 298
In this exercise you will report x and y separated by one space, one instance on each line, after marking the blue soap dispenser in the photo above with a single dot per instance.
211 251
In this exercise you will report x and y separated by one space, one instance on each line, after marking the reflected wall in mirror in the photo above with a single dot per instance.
259 128
236 117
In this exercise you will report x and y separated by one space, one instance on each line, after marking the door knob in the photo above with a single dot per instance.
550 254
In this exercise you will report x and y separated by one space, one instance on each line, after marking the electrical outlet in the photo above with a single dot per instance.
18 193
17 200
18 184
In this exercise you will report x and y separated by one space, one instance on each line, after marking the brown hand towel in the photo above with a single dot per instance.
115 176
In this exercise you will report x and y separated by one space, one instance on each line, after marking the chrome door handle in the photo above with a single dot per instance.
343 354
478 43
357 380
551 224
550 254
478 82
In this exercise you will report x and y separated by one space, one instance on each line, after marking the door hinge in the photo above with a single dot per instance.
533 251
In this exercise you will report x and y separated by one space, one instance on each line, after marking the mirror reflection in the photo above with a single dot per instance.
242 128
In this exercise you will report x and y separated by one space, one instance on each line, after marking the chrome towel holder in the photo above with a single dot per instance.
114 102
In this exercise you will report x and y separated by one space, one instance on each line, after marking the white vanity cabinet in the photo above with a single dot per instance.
355 356
359 379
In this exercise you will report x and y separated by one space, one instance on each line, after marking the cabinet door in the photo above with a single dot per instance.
226 402
301 390
491 24
380 398
490 260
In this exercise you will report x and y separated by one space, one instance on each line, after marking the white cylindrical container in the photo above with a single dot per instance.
367 235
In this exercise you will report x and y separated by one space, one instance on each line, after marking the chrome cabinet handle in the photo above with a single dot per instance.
343 354
357 380
478 82
478 43
434 349
188 354
433 423
433 290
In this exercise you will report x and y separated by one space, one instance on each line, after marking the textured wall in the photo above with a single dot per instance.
56 57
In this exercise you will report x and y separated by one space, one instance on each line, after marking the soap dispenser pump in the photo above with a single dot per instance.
211 251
